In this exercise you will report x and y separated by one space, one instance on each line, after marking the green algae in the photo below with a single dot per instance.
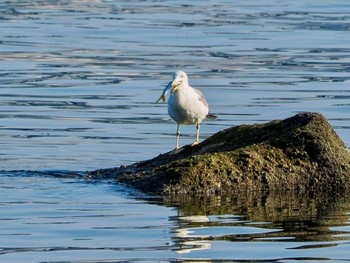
301 153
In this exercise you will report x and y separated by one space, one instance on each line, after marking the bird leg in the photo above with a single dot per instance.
177 137
177 150
197 136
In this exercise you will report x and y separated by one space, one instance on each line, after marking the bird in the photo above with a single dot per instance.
186 105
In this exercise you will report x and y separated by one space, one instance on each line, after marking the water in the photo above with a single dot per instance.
48 219
78 82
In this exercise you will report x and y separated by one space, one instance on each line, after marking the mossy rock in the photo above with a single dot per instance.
301 153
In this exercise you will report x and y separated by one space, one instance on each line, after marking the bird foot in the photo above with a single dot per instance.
176 151
195 143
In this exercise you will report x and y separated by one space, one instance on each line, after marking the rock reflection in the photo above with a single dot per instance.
275 217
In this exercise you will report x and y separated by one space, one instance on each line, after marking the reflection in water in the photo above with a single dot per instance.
188 241
290 220
78 82
59 219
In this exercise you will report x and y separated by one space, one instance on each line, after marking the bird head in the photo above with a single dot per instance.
179 78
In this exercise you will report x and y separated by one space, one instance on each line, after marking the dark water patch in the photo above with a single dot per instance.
36 174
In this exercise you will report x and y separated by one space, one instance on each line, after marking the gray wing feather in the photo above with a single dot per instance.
201 97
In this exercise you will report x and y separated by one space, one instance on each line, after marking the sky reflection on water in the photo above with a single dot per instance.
79 79
51 219
78 83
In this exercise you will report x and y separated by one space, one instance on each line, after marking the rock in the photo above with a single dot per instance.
301 153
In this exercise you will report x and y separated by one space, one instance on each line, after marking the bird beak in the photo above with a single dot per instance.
174 85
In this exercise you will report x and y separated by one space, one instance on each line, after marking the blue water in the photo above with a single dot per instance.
78 82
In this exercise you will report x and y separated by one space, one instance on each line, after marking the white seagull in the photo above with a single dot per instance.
186 105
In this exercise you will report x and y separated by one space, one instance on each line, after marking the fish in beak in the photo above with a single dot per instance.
165 91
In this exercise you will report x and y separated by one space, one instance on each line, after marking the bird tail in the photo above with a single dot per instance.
211 116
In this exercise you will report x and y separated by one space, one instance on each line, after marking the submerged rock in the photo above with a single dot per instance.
299 153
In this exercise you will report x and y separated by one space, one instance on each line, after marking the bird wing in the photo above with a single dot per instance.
204 101
201 97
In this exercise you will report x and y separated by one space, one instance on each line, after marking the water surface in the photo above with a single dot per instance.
78 82
48 219
78 79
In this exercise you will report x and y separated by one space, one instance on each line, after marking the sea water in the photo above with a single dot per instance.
78 85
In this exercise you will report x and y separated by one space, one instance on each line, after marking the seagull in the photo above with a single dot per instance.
186 105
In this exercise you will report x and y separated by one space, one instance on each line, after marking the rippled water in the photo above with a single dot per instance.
79 79
78 82
47 219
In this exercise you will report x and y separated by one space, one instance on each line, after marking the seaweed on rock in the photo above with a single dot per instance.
301 153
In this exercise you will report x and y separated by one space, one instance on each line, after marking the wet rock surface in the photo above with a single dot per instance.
301 153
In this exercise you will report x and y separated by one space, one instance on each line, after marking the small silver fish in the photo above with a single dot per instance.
165 91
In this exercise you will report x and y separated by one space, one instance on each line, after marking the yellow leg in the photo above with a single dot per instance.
197 135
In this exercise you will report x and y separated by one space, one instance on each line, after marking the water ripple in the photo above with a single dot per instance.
87 73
